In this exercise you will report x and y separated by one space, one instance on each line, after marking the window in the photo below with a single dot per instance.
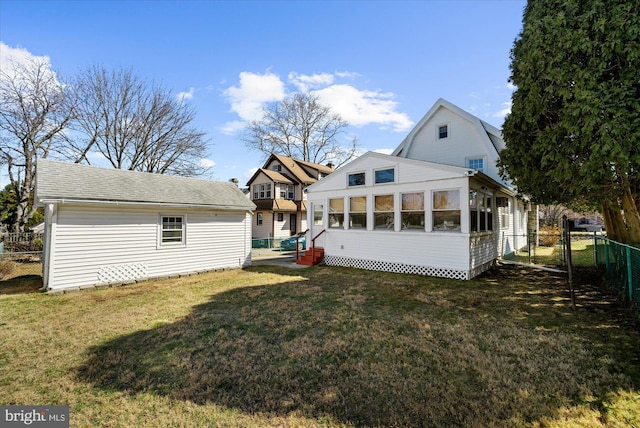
476 163
473 211
280 217
481 215
259 219
287 191
318 211
336 212
276 168
356 179
172 230
446 210
385 176
358 212
443 132
413 211
383 217
262 191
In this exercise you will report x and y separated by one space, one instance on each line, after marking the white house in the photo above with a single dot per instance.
108 226
436 206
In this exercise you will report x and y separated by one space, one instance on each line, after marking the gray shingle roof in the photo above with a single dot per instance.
69 181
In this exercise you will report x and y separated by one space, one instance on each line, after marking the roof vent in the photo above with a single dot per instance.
234 181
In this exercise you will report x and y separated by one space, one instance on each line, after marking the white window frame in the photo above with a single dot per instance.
183 236
419 212
440 125
477 158
384 213
375 181
338 214
356 173
461 199
359 213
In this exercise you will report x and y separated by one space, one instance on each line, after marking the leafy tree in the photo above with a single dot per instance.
302 128
574 129
35 111
135 125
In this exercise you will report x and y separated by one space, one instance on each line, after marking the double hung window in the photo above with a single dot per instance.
413 211
383 214
358 212
446 210
336 213
172 230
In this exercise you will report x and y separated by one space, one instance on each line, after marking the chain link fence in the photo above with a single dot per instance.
621 264
548 249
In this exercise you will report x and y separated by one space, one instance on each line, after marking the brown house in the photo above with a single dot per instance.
277 189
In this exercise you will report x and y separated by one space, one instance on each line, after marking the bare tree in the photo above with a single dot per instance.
135 125
302 128
35 110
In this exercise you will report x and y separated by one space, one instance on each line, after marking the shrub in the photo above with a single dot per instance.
7 267
549 236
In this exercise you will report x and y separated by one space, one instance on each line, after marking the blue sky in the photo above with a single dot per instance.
379 64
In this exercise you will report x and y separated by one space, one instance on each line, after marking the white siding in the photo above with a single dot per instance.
438 250
265 230
281 228
89 240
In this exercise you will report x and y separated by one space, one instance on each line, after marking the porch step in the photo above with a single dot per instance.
307 260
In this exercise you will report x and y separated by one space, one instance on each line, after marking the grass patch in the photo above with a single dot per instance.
270 346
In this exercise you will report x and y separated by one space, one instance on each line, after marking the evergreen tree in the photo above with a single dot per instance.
573 134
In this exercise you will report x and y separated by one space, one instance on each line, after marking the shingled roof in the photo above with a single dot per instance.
63 181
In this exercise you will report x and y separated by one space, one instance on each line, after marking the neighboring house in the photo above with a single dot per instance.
108 226
278 190
436 206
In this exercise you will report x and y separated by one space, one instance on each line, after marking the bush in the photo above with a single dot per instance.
549 236
7 267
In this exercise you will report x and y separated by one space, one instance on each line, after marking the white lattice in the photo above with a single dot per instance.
120 273
395 267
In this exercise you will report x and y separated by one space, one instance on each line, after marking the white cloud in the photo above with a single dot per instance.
305 82
511 86
248 99
358 107
505 111
230 128
182 96
361 108
206 163
12 57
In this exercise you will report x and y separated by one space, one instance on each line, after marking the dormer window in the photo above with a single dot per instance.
476 163
443 132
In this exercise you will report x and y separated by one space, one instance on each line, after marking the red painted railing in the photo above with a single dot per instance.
313 244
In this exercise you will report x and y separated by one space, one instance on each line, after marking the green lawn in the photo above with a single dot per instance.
323 346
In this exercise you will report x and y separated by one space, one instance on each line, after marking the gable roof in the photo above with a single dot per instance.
274 175
63 181
292 170
490 135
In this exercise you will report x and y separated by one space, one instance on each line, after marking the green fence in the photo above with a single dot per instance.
621 263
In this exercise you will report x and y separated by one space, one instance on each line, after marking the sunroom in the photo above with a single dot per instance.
386 213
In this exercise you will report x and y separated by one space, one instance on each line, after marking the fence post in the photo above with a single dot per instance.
567 246
629 273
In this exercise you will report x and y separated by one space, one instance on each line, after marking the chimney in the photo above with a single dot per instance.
234 181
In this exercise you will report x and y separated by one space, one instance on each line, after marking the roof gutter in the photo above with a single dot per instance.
43 201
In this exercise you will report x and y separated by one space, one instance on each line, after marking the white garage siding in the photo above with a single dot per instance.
102 244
